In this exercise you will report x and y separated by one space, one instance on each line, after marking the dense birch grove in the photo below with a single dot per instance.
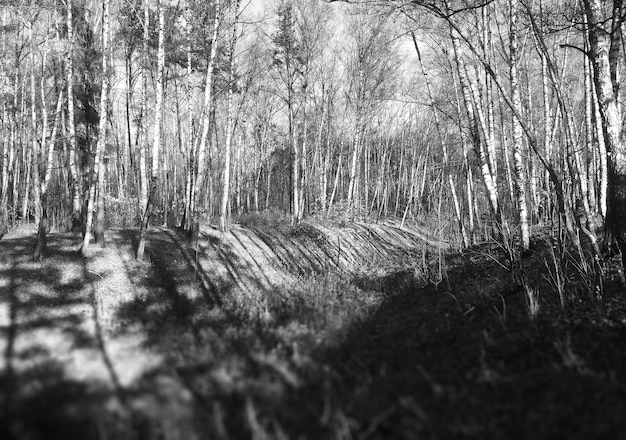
476 118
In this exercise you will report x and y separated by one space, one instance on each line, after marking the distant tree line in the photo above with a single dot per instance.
494 115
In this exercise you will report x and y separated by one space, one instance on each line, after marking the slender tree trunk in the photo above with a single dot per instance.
517 129
602 154
4 186
27 183
239 181
471 107
129 117
399 180
602 162
604 59
422 188
547 129
319 152
506 154
564 206
31 159
39 152
589 133
268 183
411 194
6 149
229 123
224 211
164 169
484 150
262 148
205 125
295 152
143 143
40 246
324 174
303 163
18 125
33 151
102 126
337 177
189 177
490 133
352 185
257 180
181 151
326 158
156 142
366 170
444 147
73 153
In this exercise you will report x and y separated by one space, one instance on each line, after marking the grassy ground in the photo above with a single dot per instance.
268 332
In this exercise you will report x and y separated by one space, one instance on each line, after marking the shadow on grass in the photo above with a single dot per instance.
58 378
468 363
434 364
43 309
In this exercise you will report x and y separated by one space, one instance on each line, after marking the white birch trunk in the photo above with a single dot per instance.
203 141
102 126
143 143
73 152
444 147
224 214
471 102
43 193
517 129
156 139
604 60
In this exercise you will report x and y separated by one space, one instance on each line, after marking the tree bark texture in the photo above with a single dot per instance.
604 59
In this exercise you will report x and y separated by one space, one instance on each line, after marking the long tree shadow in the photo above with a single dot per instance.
209 353
60 375
428 363
246 377
45 316
432 364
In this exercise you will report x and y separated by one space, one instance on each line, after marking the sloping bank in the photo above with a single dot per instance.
260 258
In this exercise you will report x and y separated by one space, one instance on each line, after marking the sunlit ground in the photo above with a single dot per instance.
270 333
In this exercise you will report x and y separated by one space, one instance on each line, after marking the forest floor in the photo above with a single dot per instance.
313 332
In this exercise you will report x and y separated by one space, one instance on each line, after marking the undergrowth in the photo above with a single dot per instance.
492 342
323 303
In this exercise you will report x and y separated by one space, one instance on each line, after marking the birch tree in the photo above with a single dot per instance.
143 142
606 56
474 125
444 147
7 147
288 63
229 118
202 141
517 128
98 164
156 139
73 153
47 163
372 68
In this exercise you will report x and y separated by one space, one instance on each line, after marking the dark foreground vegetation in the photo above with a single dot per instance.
433 344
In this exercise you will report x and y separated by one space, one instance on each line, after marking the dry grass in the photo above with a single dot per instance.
307 332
